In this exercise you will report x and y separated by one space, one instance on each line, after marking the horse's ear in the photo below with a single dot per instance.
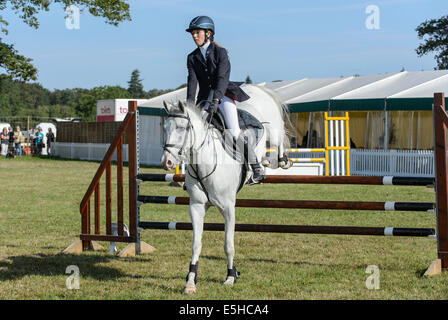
165 105
181 106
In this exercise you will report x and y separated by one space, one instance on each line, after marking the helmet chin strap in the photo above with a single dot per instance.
207 38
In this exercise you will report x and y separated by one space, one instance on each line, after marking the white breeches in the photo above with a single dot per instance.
228 111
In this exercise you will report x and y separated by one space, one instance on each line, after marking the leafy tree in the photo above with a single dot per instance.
248 80
16 95
135 88
21 67
436 31
156 92
67 97
86 107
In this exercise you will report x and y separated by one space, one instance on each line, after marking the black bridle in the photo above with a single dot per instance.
179 155
166 146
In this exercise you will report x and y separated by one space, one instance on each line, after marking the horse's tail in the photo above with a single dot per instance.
284 111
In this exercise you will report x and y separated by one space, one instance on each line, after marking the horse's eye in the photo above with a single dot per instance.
180 127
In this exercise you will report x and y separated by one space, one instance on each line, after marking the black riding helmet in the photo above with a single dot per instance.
201 22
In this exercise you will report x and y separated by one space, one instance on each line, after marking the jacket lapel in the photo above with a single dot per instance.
198 56
211 56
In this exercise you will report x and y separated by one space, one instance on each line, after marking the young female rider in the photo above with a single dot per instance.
209 66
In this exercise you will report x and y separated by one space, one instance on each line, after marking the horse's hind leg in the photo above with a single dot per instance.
197 213
283 161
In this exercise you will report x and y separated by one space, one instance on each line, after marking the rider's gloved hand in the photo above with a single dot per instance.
213 107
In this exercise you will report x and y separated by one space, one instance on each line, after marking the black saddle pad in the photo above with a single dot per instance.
247 122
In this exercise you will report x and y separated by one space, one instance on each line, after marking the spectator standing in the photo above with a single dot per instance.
50 141
4 141
39 141
33 141
18 140
11 142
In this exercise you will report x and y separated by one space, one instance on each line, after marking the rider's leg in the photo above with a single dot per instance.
230 115
229 112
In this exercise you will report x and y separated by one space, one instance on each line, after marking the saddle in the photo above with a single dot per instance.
250 127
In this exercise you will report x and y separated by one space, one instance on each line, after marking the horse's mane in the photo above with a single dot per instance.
194 111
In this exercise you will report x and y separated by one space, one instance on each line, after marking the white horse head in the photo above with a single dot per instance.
177 129
180 132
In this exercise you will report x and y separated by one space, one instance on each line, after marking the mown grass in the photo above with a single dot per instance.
39 217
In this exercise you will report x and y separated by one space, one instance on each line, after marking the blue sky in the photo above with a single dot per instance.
268 40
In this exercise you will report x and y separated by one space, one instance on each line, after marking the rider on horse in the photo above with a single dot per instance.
209 66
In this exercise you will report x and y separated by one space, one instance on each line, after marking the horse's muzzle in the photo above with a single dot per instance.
166 161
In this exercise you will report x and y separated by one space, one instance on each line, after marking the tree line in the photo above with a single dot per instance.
19 99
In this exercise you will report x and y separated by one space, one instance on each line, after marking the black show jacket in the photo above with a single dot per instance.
212 73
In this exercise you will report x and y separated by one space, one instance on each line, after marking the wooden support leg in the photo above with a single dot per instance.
434 269
129 250
76 247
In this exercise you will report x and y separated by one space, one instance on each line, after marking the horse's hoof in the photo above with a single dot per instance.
190 289
266 163
286 165
229 281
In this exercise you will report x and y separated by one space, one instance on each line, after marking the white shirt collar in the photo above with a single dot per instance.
204 49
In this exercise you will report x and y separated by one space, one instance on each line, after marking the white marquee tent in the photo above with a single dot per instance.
396 91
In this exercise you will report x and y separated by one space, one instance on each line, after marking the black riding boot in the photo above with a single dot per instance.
249 154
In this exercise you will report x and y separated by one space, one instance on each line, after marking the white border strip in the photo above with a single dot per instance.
172 226
388 231
387 180
389 205
171 200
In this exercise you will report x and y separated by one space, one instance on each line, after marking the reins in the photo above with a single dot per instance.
180 154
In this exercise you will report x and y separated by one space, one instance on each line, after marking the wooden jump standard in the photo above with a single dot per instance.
87 240
129 128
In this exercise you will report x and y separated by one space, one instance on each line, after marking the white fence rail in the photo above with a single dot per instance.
149 154
419 163
85 151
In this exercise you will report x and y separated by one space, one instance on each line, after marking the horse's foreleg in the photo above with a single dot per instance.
197 213
229 248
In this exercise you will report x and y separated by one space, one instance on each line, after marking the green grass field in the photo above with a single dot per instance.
39 217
